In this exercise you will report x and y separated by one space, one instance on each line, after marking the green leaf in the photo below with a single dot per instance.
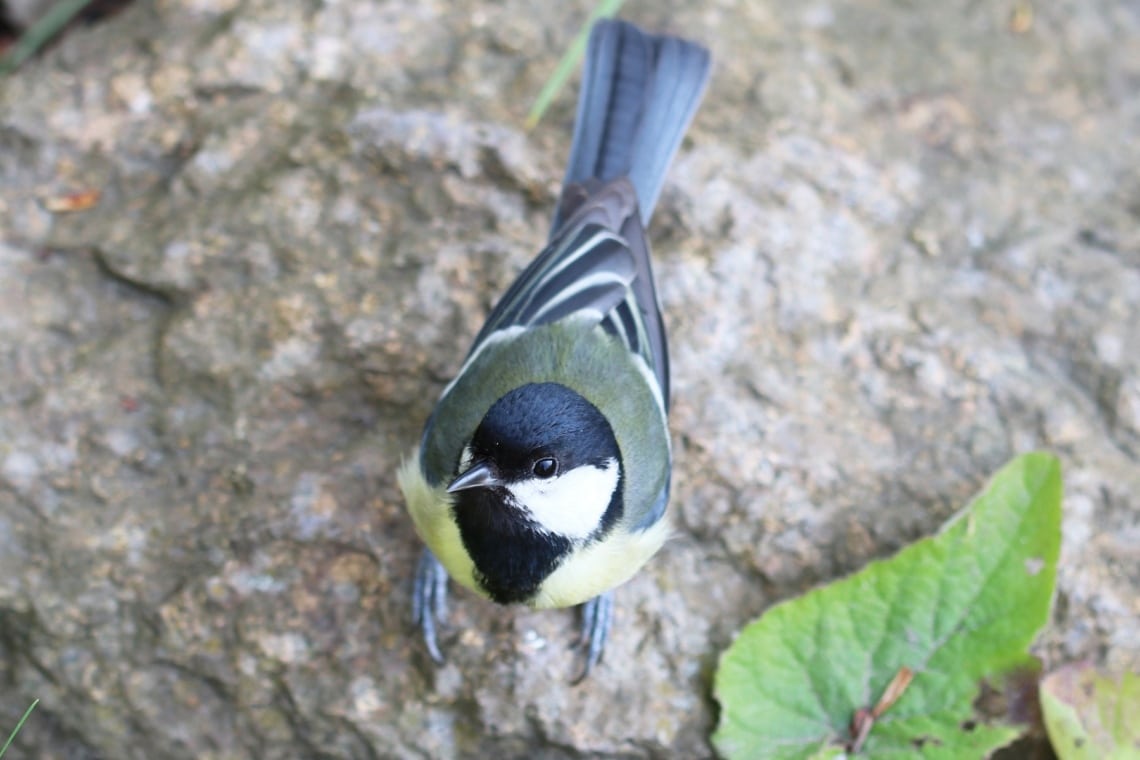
569 62
1092 715
41 32
958 609
19 725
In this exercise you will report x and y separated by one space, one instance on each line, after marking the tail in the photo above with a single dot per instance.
639 93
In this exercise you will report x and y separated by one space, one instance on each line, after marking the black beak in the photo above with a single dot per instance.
481 475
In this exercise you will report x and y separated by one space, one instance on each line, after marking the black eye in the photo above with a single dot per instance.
544 468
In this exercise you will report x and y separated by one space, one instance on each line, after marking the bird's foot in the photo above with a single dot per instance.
429 601
597 617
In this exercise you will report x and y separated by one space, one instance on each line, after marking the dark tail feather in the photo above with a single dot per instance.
639 93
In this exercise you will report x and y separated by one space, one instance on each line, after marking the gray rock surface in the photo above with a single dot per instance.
900 247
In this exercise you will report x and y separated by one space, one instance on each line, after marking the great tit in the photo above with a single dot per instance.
542 475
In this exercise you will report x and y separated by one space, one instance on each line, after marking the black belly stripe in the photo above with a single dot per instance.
512 557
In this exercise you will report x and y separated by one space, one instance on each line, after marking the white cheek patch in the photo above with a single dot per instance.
571 504
464 460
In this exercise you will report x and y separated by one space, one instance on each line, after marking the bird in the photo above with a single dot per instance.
542 475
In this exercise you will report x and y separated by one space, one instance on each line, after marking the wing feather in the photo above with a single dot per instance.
595 267
587 267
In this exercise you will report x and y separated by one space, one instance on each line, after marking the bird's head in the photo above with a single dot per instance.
541 475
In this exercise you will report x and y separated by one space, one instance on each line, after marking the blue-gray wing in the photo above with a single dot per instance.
587 269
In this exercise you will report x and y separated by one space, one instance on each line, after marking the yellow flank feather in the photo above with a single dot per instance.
430 509
600 566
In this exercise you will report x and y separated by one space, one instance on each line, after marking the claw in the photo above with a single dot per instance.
597 617
429 601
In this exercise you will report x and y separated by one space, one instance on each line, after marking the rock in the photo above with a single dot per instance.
899 247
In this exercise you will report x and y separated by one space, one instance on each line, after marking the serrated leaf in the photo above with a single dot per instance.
958 609
1092 715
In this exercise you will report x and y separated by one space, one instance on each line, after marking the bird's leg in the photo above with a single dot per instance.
429 600
597 617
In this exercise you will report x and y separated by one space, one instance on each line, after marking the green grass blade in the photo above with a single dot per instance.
569 62
19 725
38 34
